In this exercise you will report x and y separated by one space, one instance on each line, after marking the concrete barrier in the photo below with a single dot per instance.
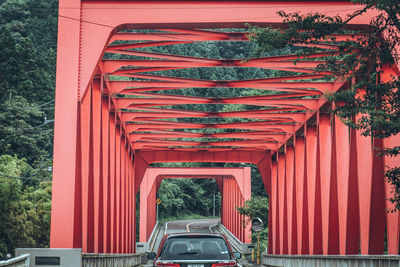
236 244
19 261
142 247
330 260
116 260
62 257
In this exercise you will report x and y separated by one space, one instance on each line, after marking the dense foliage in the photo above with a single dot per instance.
28 30
372 104
257 207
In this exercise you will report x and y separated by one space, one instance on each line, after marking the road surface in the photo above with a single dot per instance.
199 225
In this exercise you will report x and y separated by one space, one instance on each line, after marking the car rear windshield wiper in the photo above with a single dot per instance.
188 253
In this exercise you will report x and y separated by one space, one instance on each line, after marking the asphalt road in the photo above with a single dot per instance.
199 226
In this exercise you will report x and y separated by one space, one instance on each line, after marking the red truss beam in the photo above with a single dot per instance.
294 100
169 114
197 35
157 134
125 103
273 84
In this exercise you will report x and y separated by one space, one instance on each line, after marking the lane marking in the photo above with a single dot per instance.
187 226
166 227
201 222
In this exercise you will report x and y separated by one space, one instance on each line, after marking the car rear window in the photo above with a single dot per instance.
195 248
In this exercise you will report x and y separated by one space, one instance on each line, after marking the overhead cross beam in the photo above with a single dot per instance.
155 119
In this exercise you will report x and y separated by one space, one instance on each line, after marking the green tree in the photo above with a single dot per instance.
24 210
13 228
256 207
23 131
370 105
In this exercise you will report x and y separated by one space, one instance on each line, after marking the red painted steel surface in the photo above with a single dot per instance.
326 187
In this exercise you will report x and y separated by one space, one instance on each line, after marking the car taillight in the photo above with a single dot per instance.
231 263
161 264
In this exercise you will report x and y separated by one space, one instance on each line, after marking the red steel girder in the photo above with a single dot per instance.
254 135
237 144
262 114
124 103
259 125
266 84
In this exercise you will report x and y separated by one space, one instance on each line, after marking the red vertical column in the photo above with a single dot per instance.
393 217
123 194
347 190
325 146
371 188
85 149
330 223
282 209
220 187
302 197
231 199
291 204
104 197
151 210
117 192
112 181
318 227
342 157
66 207
133 204
333 225
314 193
230 204
235 219
227 198
274 208
364 170
77 222
97 166
128 202
378 213
225 202
353 209
128 233
143 207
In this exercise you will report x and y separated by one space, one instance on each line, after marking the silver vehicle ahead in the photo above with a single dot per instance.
194 250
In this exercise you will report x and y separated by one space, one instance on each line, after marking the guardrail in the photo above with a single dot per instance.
330 260
20 261
105 260
142 247
235 243
153 237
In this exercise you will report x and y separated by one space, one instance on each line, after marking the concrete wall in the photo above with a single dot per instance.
330 261
105 260
59 257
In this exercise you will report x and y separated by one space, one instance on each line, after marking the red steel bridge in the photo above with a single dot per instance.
115 117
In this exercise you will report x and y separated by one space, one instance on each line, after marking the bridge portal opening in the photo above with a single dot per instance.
183 198
225 189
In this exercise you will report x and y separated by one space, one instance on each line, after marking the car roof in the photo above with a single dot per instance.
195 234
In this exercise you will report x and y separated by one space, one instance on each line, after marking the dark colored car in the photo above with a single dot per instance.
194 250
